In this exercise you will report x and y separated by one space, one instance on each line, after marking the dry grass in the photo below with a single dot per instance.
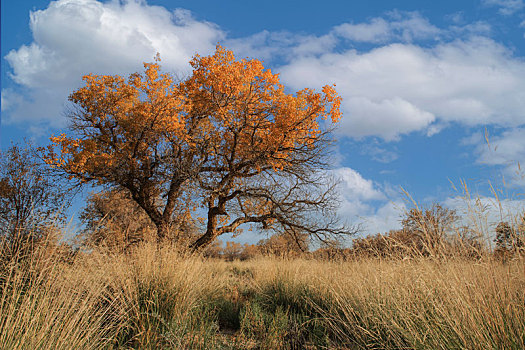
151 299
47 305
424 304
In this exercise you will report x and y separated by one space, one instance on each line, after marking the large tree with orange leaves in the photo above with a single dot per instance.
228 138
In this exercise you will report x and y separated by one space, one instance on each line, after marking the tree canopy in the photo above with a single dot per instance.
31 201
228 140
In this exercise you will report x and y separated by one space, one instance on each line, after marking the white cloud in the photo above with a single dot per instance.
384 219
476 28
506 150
10 99
379 209
354 186
366 204
492 210
388 118
506 7
400 88
380 154
270 46
74 37
377 30
399 26
482 214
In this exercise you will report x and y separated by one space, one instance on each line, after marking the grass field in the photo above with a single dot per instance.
159 299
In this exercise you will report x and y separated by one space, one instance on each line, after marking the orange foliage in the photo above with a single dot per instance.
224 91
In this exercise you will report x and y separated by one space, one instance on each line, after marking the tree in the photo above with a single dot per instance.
229 139
510 239
31 201
393 244
112 218
503 237
430 228
432 232
284 245
232 251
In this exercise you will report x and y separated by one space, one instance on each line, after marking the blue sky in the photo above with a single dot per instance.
423 82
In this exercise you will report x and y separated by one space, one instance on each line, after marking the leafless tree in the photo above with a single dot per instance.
31 199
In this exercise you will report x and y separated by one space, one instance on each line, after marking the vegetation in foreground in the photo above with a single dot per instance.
152 298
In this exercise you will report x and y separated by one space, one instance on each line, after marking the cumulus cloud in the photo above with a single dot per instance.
353 185
483 214
376 30
492 210
379 154
384 219
399 88
506 149
75 37
366 204
506 7
377 209
399 26
388 118
10 99
479 28
283 45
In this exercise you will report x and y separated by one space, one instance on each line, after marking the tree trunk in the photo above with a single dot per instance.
162 231
203 241
211 230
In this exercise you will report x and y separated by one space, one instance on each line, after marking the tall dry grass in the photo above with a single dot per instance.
424 304
45 304
415 304
147 299
160 299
